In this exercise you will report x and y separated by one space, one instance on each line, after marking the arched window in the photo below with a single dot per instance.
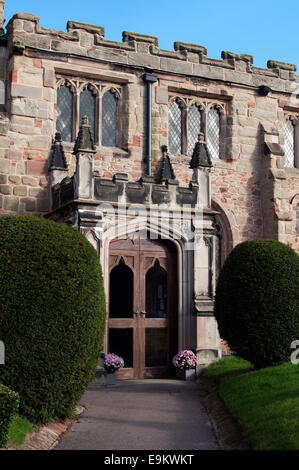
297 220
64 116
213 133
194 127
184 125
289 144
109 119
88 108
121 291
156 292
175 129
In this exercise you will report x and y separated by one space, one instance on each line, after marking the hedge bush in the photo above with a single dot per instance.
256 303
9 403
52 315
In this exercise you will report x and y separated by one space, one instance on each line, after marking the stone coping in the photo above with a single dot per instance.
142 50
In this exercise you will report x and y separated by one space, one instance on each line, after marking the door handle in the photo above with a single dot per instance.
139 314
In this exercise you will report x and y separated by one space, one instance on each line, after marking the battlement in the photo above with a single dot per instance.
25 34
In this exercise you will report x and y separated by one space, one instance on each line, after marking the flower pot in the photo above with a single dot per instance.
185 374
111 379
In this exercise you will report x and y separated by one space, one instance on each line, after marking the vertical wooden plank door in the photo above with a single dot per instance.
142 323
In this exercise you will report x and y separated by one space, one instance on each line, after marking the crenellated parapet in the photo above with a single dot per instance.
119 190
26 35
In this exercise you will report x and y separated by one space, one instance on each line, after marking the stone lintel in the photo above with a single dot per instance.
221 94
288 105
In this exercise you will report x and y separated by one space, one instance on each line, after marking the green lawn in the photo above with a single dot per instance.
226 367
265 402
18 430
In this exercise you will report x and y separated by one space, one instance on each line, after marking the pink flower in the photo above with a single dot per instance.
185 359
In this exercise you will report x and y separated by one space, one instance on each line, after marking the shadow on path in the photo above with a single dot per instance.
142 415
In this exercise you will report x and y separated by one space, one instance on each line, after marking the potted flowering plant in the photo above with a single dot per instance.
112 363
185 363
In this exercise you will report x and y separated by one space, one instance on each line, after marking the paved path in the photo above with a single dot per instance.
141 415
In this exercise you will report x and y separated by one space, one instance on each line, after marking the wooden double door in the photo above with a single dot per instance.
142 325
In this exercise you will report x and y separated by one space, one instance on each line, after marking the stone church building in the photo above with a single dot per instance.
164 160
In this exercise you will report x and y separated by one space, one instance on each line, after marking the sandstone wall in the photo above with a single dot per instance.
244 186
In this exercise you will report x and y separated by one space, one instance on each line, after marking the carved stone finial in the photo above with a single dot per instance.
58 137
84 141
85 121
201 155
201 138
57 158
165 170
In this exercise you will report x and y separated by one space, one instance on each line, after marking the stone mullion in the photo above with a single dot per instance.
100 115
204 123
296 144
118 122
76 115
222 136
97 120
184 127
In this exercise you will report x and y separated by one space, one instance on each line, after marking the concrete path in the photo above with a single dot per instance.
141 415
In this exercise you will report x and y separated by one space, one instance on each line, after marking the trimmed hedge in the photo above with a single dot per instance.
52 316
9 403
256 304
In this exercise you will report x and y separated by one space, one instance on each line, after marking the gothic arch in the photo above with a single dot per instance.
225 232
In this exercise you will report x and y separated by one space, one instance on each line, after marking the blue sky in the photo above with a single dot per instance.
265 29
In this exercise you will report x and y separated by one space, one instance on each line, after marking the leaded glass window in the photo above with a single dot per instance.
289 144
175 129
64 113
194 127
88 107
109 119
213 133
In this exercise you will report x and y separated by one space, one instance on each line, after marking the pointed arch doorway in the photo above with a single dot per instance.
142 324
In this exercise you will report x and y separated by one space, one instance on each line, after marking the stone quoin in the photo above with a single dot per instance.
164 160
